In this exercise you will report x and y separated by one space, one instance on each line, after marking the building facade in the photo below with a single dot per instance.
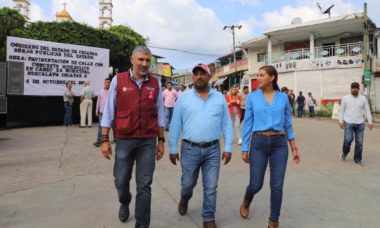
105 14
227 73
22 6
63 15
322 57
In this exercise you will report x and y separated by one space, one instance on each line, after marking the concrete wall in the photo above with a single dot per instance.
253 65
376 90
323 84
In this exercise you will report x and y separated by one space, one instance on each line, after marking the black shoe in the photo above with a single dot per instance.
81 127
123 213
97 144
182 207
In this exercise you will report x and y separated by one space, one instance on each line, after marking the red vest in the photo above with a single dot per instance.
136 109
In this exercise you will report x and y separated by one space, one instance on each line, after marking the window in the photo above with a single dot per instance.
260 57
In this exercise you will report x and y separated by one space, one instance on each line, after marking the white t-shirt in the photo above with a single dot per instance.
310 101
353 109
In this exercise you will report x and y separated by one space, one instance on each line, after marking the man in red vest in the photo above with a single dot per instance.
135 105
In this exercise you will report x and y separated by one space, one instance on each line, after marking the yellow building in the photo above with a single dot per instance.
64 15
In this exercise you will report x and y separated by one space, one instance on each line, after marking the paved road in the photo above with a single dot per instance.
54 177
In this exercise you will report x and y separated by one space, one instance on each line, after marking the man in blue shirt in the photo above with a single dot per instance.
201 116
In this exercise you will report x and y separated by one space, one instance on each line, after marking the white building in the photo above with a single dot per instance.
22 6
322 57
105 14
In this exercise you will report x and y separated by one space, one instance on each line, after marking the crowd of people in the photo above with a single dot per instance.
139 112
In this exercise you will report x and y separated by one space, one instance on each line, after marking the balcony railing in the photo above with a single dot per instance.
343 50
230 68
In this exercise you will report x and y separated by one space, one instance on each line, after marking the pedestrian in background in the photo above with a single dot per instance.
86 105
311 102
243 101
233 102
68 100
135 105
300 105
201 117
181 90
352 121
267 127
170 96
292 99
102 97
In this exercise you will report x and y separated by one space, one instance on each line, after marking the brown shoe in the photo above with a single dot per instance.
182 207
209 224
244 208
273 224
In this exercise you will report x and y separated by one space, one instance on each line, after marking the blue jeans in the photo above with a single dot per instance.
168 116
99 139
194 158
68 120
275 150
349 131
300 110
127 152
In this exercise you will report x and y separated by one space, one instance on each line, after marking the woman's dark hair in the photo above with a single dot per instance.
271 71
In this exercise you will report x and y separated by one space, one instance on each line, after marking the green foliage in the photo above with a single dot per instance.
323 113
119 39
9 21
129 39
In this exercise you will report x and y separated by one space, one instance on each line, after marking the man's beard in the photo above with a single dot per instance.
354 93
200 86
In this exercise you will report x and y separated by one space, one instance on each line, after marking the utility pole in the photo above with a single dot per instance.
232 28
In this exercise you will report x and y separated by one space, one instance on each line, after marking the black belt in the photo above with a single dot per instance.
202 145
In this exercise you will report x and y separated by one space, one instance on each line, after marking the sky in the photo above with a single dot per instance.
195 27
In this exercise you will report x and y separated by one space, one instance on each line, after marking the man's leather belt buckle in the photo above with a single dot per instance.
270 133
201 145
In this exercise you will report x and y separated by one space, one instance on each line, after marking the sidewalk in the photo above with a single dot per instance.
54 177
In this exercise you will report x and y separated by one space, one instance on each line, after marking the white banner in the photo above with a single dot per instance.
49 65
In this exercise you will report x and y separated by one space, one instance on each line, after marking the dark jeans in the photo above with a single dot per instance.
311 111
242 114
349 131
99 139
292 109
275 150
300 110
168 116
194 158
68 120
127 152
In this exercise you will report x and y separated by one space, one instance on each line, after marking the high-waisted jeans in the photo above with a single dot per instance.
275 150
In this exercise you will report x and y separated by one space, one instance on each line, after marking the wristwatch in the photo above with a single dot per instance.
161 139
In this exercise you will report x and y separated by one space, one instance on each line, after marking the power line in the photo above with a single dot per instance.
184 51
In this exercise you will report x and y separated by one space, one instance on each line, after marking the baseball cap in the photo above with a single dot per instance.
202 66
355 85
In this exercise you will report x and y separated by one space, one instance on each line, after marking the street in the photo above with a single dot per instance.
55 177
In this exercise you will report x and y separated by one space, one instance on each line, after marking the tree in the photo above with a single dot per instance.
129 38
9 21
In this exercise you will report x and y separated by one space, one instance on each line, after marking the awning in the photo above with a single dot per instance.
220 81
